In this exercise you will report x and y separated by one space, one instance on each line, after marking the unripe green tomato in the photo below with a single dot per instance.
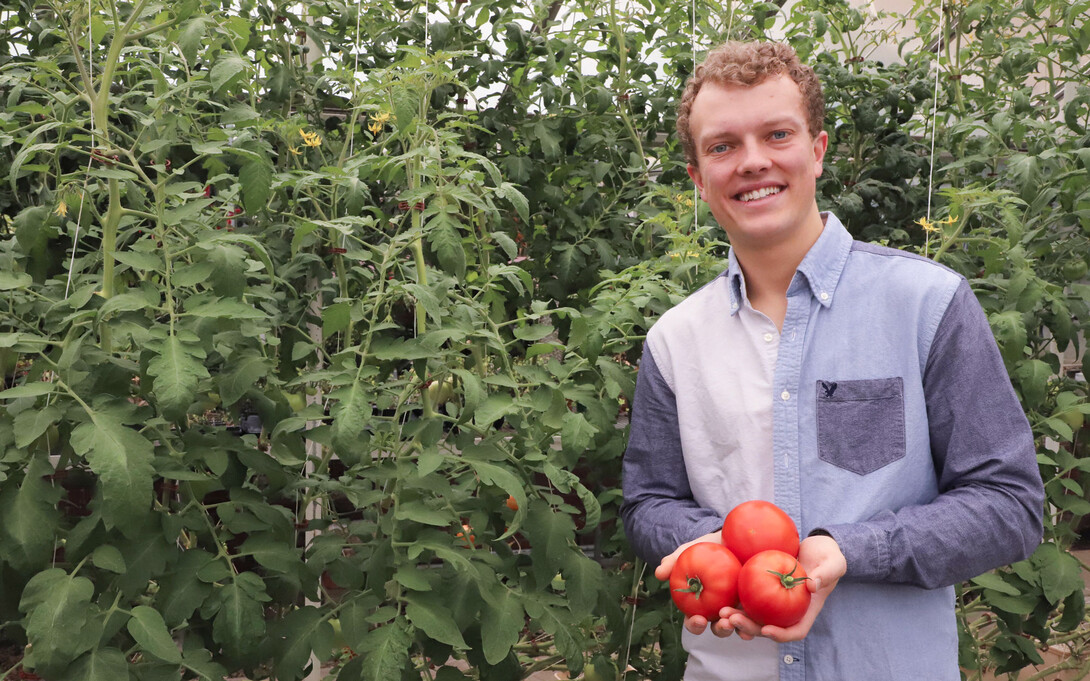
1074 270
441 392
297 401
1073 418
601 668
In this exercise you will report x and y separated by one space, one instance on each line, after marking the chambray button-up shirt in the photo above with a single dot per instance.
881 414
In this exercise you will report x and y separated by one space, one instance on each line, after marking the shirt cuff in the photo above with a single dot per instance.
866 550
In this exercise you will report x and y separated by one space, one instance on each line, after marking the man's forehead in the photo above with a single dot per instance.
785 105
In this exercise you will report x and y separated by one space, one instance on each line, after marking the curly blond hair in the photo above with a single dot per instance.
748 64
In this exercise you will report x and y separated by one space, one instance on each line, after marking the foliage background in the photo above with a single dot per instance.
319 324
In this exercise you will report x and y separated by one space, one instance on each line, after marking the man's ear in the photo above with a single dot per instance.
821 144
694 173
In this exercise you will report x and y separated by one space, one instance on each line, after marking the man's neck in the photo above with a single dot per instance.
768 270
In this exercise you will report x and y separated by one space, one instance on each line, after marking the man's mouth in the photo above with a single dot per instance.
758 194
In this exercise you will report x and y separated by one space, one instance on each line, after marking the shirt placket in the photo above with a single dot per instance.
785 437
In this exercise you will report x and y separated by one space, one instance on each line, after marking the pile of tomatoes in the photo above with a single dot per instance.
755 567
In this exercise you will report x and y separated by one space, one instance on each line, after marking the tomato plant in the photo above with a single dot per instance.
755 526
772 589
705 580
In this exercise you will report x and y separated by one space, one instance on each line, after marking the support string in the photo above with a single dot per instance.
935 104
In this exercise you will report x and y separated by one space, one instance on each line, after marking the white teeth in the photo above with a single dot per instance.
758 193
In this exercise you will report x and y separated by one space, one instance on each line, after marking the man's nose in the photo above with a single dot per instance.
754 157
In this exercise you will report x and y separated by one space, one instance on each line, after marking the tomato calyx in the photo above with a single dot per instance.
789 580
696 587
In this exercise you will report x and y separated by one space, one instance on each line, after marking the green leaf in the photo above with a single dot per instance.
996 582
245 372
551 533
1033 376
121 457
186 211
33 423
140 261
184 592
383 654
255 178
226 71
225 308
495 407
31 519
99 664
10 281
418 512
27 390
1010 332
189 38
502 619
445 240
532 332
240 620
26 153
178 370
276 555
299 634
199 661
335 318
577 433
582 582
351 416
1060 572
428 611
109 558
58 626
508 191
150 632
563 628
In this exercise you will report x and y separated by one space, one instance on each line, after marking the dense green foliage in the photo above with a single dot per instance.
293 305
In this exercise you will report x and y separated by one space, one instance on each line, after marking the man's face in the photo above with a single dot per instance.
757 164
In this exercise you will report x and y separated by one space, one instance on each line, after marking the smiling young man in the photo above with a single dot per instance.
857 387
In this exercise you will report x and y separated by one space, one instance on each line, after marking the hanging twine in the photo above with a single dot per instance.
935 104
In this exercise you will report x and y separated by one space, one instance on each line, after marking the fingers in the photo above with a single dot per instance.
662 572
666 566
747 629
696 624
722 628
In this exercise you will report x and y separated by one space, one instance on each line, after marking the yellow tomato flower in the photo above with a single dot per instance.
310 139
62 209
382 118
927 225
294 150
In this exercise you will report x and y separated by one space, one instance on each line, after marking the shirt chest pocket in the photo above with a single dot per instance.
861 424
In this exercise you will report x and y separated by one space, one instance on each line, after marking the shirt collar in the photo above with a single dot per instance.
820 270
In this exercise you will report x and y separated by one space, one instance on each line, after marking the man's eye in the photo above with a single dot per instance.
779 135
719 148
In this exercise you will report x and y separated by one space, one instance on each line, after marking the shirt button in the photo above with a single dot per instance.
789 659
768 337
785 396
824 295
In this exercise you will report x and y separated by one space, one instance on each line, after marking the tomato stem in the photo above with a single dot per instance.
695 587
789 580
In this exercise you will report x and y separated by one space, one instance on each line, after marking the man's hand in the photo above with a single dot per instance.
695 624
824 563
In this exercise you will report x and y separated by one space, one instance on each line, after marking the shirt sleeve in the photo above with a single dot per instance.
991 498
658 511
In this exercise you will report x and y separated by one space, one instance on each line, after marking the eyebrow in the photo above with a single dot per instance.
777 122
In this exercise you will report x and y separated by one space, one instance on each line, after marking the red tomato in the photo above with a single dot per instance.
772 589
755 526
705 580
